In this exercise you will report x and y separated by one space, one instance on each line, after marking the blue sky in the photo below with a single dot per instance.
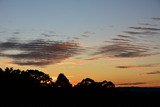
91 22
73 17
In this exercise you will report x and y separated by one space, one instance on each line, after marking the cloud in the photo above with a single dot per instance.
125 36
140 66
76 38
87 34
136 42
145 28
33 62
122 67
94 58
154 72
156 18
120 40
48 35
140 32
38 52
51 34
122 48
147 24
72 63
133 83
16 33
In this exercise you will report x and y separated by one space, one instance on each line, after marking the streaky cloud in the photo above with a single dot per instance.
16 33
139 66
120 39
133 83
135 42
140 32
154 72
125 36
48 35
35 63
94 58
123 50
39 52
123 46
87 34
147 24
76 38
145 28
156 18
72 63
84 35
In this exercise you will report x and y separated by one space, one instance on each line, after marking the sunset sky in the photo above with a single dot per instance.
113 40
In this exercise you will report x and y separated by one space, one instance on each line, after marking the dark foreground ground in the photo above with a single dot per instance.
118 97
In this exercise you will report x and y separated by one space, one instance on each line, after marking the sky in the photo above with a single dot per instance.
113 40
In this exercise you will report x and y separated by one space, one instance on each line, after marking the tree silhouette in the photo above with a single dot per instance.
109 85
62 81
39 77
86 83
10 78
90 83
33 78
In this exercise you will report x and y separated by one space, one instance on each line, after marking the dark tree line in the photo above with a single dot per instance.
33 88
13 78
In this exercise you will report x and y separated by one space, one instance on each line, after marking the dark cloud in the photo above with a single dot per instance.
87 34
154 72
133 83
145 28
76 38
121 66
16 33
35 63
123 49
123 46
94 58
136 42
51 34
156 18
38 52
121 40
140 32
139 66
125 36
48 35
147 24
